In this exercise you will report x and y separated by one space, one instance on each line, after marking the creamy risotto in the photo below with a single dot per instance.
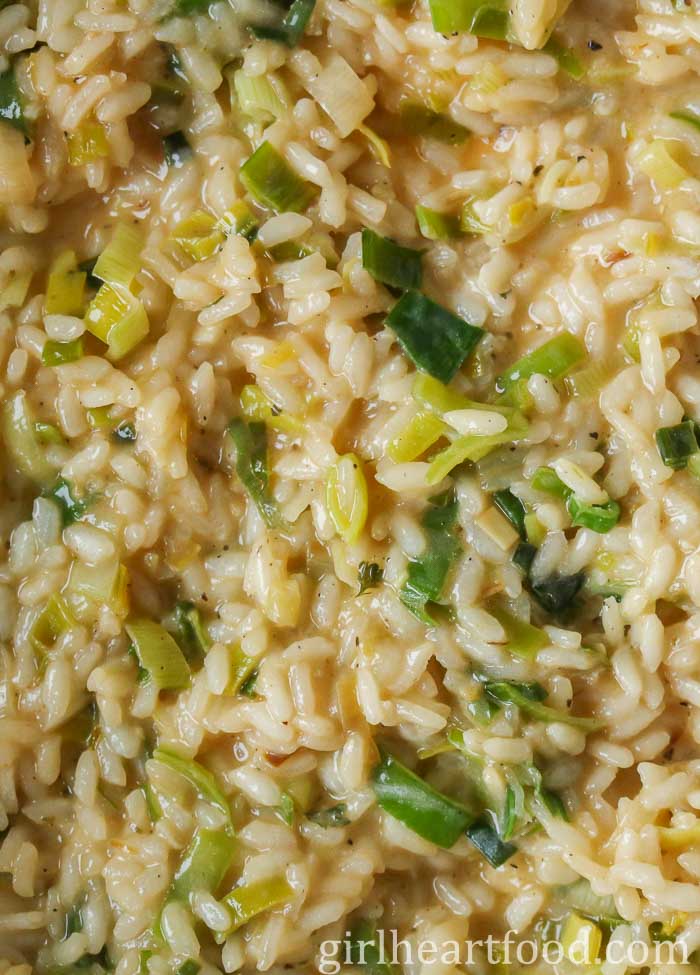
350 483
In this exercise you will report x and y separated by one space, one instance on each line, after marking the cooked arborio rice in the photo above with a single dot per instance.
350 501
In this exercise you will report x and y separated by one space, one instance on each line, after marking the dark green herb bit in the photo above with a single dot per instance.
558 592
388 262
369 576
677 444
512 507
419 806
58 353
247 688
250 441
193 637
332 816
418 119
524 556
270 180
487 841
364 951
553 803
125 432
427 575
71 509
292 26
176 149
435 340
189 967
11 108
528 697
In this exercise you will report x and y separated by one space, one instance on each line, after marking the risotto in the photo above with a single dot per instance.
349 405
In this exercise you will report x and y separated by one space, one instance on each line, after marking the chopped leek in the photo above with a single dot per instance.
158 654
106 584
686 115
49 434
437 226
547 480
199 236
581 898
529 697
568 61
204 865
11 107
192 633
553 359
474 448
257 406
364 952
250 442
346 497
599 518
427 574
291 28
485 18
58 353
486 839
512 507
427 812
433 338
199 777
330 816
72 509
522 638
272 182
656 162
469 223
257 96
189 967
369 576
581 940
118 319
25 450
124 432
119 262
677 444
14 294
524 556
239 219
176 149
65 289
420 433
242 668
418 119
557 593
379 146
391 264
87 144
54 620
249 900
587 382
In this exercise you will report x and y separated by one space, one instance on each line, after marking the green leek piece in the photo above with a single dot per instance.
204 865
387 262
11 107
486 839
177 150
58 353
677 444
249 900
420 433
347 498
568 61
118 319
54 620
199 777
104 584
250 441
553 359
189 967
14 294
427 574
24 449
87 144
581 898
47 433
239 219
528 698
512 507
523 639
193 636
290 29
369 576
427 812
557 593
434 339
159 654
364 952
437 226
72 509
330 816
65 289
119 262
242 668
272 182
475 448
484 18
418 119
257 96
599 518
